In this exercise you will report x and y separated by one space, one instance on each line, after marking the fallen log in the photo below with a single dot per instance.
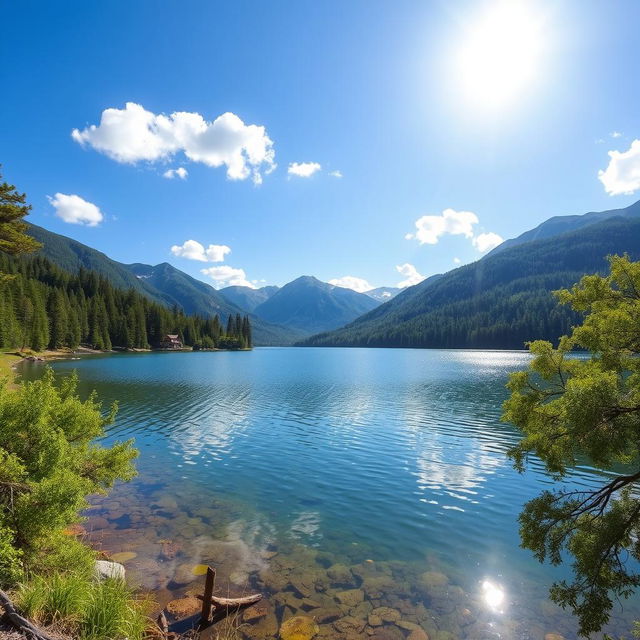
234 602
19 622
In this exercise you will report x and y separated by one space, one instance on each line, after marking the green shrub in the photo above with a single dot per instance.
49 464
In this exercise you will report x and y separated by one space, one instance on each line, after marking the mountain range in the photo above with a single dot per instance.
503 299
499 301
300 309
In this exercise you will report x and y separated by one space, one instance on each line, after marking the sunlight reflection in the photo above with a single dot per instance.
493 595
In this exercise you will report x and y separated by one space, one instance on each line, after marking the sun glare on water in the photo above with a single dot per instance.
493 595
499 53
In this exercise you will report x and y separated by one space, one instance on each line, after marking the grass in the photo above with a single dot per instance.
7 360
84 608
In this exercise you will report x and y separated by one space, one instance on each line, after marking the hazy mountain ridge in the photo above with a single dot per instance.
309 305
557 225
246 297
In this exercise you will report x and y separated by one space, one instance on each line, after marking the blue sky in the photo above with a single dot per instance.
385 93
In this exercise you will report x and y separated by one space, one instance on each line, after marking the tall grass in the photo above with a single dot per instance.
85 608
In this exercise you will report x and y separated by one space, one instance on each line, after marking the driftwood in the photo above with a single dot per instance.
162 623
234 602
19 622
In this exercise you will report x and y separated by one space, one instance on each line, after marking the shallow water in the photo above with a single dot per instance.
277 464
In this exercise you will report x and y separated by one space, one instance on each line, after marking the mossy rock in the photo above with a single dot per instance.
299 628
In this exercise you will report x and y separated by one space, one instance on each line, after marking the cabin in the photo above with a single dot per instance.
171 341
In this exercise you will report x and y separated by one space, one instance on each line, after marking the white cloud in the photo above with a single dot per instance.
487 241
336 174
76 210
411 275
352 282
180 172
303 169
193 250
133 134
225 276
429 229
622 176
457 261
616 134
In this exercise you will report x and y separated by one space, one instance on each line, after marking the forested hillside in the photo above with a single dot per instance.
43 306
500 301
162 283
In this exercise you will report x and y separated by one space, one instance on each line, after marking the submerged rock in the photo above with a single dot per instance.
104 569
124 556
349 625
386 614
184 607
340 574
326 615
350 597
299 628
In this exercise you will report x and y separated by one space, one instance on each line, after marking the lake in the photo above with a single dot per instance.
334 480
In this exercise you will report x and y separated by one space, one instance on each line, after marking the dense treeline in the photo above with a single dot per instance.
499 302
43 306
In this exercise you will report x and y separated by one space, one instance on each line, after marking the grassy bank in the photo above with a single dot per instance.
50 573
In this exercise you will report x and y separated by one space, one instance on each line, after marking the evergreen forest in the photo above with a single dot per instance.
43 306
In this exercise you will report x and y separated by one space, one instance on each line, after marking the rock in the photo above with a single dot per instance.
299 628
124 556
406 625
340 574
266 627
553 636
445 635
349 625
104 569
267 555
184 607
350 597
97 523
303 585
377 586
374 620
433 580
387 614
325 615
361 610
184 574
418 634
256 611
387 633
273 581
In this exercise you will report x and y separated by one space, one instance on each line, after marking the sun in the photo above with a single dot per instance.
499 54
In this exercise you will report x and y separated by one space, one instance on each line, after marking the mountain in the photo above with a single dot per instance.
500 301
383 294
309 305
247 298
161 283
561 224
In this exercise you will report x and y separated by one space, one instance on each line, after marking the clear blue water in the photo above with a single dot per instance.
328 455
